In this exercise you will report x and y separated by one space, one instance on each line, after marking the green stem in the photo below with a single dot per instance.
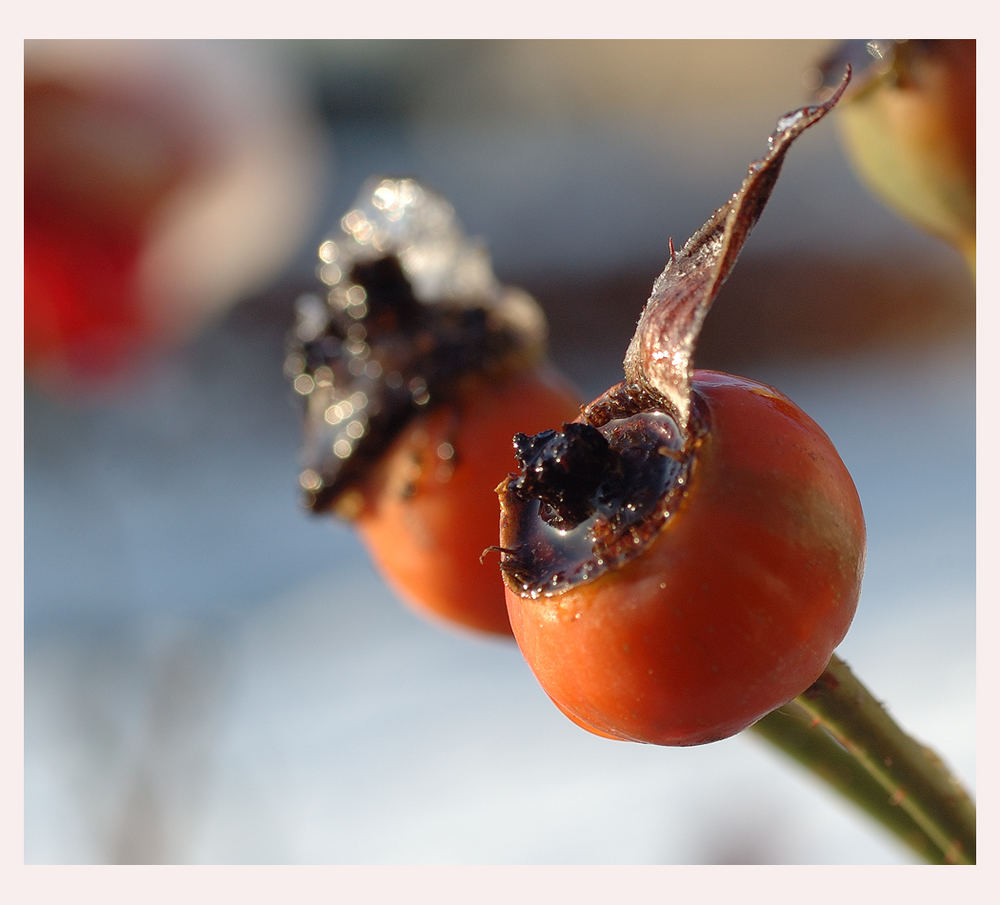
897 780
798 735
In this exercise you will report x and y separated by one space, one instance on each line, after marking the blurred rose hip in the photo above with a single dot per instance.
909 126
416 367
161 180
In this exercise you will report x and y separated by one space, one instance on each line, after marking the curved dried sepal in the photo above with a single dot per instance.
659 357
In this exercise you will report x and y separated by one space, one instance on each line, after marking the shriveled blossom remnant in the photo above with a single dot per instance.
416 366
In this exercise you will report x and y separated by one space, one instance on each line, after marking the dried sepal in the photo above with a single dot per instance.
658 359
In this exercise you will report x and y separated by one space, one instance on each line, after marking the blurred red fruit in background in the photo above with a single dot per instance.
162 179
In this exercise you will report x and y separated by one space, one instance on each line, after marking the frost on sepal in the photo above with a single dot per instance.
409 308
402 217
659 357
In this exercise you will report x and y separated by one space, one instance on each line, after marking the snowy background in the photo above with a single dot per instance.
211 676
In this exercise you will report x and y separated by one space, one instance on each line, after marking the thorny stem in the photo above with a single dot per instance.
839 731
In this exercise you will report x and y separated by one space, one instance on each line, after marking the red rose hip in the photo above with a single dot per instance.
684 557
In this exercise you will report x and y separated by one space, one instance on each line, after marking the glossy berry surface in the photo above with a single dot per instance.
729 609
428 512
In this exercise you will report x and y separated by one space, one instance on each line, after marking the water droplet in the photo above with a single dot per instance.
310 480
328 251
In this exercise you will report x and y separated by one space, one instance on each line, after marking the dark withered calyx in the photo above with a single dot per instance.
563 469
588 496
409 312
390 298
401 358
